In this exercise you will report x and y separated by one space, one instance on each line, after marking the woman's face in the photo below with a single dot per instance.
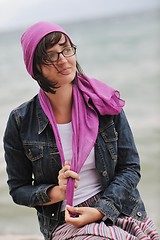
63 70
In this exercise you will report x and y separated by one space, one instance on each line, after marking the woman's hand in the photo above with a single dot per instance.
85 216
58 193
63 176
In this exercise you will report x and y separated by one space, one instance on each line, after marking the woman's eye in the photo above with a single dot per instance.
52 56
67 50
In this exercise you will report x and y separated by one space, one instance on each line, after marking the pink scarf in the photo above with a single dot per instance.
84 120
84 116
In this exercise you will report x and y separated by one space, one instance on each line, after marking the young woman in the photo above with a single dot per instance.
70 152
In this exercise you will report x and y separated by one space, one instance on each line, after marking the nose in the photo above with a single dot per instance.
61 58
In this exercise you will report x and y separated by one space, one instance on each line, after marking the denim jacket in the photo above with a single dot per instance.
33 163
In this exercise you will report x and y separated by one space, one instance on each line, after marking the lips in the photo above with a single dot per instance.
65 71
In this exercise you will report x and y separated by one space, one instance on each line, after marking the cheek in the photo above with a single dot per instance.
47 71
73 62
44 70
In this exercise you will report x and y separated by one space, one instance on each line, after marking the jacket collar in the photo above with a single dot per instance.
41 117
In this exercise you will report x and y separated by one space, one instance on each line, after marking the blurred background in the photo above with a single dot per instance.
118 42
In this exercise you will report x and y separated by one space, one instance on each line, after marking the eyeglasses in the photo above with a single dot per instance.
67 52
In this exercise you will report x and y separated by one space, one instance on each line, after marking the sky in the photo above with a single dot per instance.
16 14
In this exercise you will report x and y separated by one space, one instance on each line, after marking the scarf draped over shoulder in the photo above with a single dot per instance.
90 98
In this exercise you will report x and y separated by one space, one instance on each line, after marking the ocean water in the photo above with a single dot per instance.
122 51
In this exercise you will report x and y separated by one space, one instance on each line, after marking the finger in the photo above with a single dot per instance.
66 163
75 185
62 177
70 208
62 181
70 218
62 186
67 214
73 209
77 209
72 174
64 169
62 174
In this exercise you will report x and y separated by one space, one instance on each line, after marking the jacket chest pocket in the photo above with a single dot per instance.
110 137
35 154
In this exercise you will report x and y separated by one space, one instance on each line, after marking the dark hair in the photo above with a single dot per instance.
41 58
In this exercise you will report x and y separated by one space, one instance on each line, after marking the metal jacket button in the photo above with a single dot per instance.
104 173
139 214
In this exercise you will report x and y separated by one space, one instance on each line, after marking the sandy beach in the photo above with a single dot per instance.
20 237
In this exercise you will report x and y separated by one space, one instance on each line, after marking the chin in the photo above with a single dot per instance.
70 77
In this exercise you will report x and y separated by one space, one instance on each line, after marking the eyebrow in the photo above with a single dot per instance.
65 42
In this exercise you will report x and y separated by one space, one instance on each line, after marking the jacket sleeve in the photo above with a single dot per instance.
126 175
19 168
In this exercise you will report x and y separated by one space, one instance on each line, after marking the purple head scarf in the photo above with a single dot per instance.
32 36
85 122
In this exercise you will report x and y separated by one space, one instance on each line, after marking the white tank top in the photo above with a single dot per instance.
89 183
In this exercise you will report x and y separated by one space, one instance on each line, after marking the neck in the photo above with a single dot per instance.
61 103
